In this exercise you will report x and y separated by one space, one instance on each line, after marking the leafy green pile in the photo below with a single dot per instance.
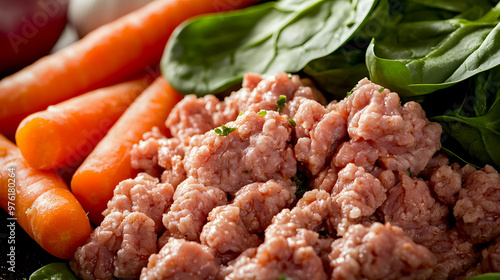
444 54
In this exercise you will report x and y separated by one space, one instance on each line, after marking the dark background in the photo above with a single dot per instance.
29 255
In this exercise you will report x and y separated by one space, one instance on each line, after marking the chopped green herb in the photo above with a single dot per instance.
283 277
381 89
289 76
292 122
350 92
408 172
262 113
241 113
224 130
246 171
281 102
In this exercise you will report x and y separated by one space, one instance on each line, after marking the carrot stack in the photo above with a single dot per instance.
41 203
109 163
64 134
105 56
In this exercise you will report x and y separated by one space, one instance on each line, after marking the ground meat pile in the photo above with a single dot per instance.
271 182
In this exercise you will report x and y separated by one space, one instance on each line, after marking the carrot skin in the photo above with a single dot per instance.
64 134
105 56
110 162
42 204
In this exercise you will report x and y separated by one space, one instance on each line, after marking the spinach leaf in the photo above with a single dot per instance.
455 5
475 123
53 271
210 53
337 73
486 276
417 58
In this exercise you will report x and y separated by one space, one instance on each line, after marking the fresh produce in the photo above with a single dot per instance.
87 15
28 30
267 38
472 125
41 203
53 271
110 53
64 134
447 51
428 51
109 163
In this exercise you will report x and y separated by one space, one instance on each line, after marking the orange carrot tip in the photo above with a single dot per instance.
64 134
41 203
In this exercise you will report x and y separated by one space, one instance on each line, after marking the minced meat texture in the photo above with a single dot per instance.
318 133
119 247
258 150
356 195
273 195
226 233
280 256
379 252
143 194
271 182
478 207
383 132
231 229
189 211
180 260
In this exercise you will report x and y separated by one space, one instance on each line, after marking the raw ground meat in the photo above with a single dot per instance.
119 247
379 252
383 132
144 194
226 234
411 206
318 133
181 260
279 256
490 260
258 150
189 211
351 189
273 195
231 229
356 195
478 207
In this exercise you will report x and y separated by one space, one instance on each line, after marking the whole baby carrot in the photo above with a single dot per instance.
110 162
41 203
111 52
64 134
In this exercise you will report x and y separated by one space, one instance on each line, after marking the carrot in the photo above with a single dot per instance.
110 162
64 134
108 54
41 203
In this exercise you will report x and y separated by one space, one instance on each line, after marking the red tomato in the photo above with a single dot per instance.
28 30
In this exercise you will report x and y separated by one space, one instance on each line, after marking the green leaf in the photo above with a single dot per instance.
211 53
418 58
486 276
53 271
336 74
475 123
